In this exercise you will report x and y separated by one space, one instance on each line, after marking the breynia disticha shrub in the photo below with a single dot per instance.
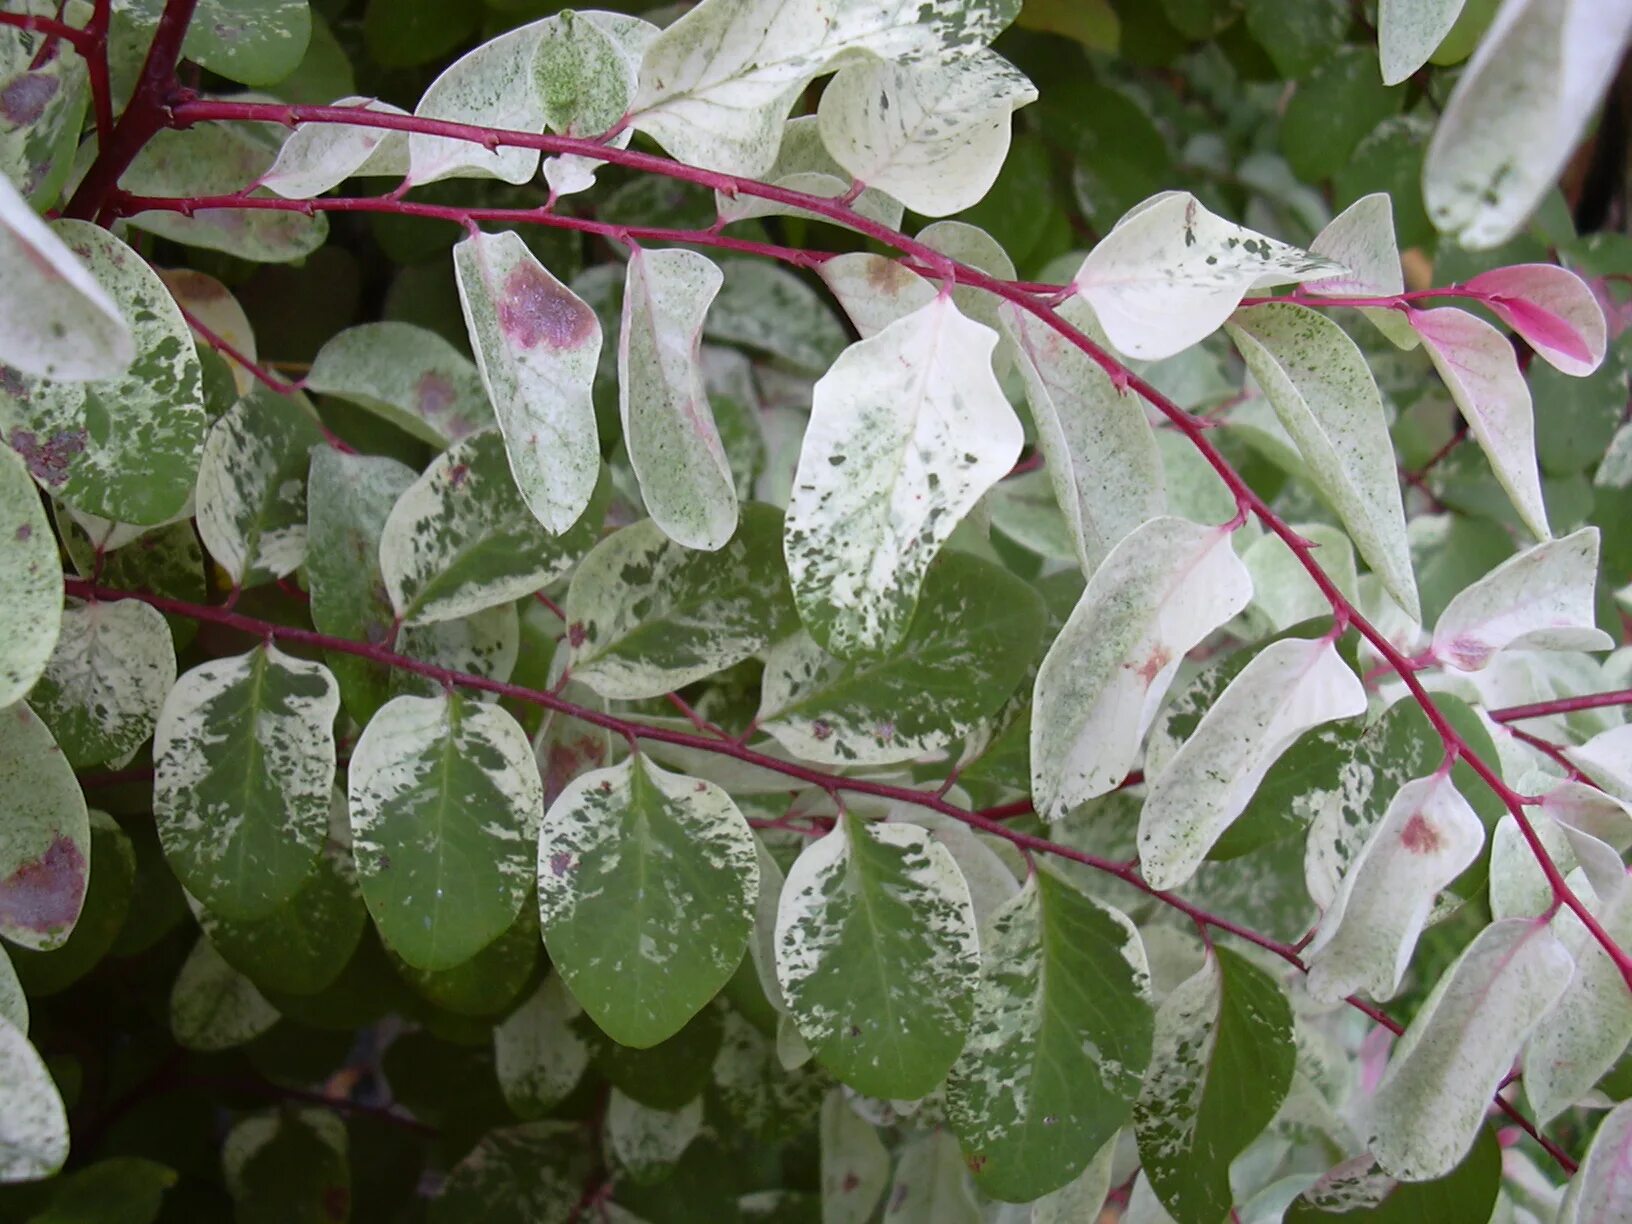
831 610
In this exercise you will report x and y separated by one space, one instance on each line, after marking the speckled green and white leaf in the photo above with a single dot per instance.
1461 1044
764 307
45 116
245 757
538 1054
646 889
757 1091
1426 838
45 835
933 134
646 616
461 539
668 427
1361 238
716 86
30 582
253 42
1059 1043
587 66
762 943
1539 599
1288 688
1606 759
1587 1030
931 1185
1518 110
1597 825
907 431
855 1164
1518 888
213 1006
486 644
107 679
804 164
1408 31
1170 272
975 636
1220 1067
221 159
991 881
536 345
496 85
1599 1193
877 952
321 156
125 446
252 486
33 1122
1098 447
528 1174
969 244
210 303
410 376
1324 394
1283 593
348 498
1482 374
874 290
13 1002
645 1142
1163 589
293 1162
445 803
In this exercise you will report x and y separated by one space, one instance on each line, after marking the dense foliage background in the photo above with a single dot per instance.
608 691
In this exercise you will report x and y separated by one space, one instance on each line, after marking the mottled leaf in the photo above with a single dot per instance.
33 1122
30 582
537 1054
528 1174
45 834
213 1006
410 376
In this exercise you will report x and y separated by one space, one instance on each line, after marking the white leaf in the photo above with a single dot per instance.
1283 593
30 581
1291 686
211 304
33 1122
931 1185
321 156
1597 825
1436 1091
1600 1192
716 85
874 290
1324 394
907 431
1426 838
1361 238
1409 30
213 1006
764 306
56 321
1606 758
645 1141
1170 272
1517 113
536 345
932 134
1482 374
1539 599
1163 589
855 1164
538 1056
804 164
1098 447
1518 887
668 426
493 86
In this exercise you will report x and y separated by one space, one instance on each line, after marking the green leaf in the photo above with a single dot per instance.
252 486
348 498
33 1123
537 1053
124 446
1332 111
1297 34
488 984
403 33
907 431
409 376
461 539
107 901
118 1190
1093 23
287 1166
1059 1043
13 1002
56 320
253 42
646 889
30 583
445 803
1324 394
1359 1190
1221 1066
759 1093
674 445
244 756
764 307
877 952
484 644
587 67
975 636
646 616
529 1174
45 835
671 1072
213 1006
536 345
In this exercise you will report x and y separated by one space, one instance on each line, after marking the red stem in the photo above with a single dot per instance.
79 39
1563 705
96 67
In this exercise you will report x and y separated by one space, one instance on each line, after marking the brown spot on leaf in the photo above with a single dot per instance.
975 1161
48 461
1419 837
536 310
45 893
851 1181
887 276
24 98
575 634
433 393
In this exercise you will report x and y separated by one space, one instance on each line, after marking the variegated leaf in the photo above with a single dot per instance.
320 156
45 835
213 1006
410 376
30 582
33 1122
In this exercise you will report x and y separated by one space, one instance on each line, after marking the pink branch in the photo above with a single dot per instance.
1563 705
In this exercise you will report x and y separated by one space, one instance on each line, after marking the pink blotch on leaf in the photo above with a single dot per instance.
1419 837
535 309
45 894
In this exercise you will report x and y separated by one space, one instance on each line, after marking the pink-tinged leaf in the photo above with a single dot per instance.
45 834
1482 374
1553 309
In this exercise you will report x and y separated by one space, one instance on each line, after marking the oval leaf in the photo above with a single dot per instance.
1552 308
410 376
30 582
33 1122
45 835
